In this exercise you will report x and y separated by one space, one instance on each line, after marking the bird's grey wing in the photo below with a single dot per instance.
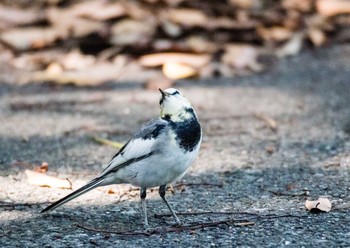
139 147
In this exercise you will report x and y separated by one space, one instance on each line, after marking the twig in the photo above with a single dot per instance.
220 185
70 183
13 205
189 227
278 193
255 216
205 213
122 195
271 123
124 233
194 226
44 105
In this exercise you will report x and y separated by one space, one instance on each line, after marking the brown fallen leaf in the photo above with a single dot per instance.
276 33
44 167
317 37
201 45
10 16
244 4
158 82
129 31
43 180
68 25
321 205
75 60
187 17
333 7
111 191
158 59
270 149
98 10
241 56
178 71
92 75
22 39
37 60
303 6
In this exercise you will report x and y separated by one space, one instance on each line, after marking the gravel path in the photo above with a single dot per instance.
246 164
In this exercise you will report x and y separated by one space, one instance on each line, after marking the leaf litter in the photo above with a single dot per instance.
81 43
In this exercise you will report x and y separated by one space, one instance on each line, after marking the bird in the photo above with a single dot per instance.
158 154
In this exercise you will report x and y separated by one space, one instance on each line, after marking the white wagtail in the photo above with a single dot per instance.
158 154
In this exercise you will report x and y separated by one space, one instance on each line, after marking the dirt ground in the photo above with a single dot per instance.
246 164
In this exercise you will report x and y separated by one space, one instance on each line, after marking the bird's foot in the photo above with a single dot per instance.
178 223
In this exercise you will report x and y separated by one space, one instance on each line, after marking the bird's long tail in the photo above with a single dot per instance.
86 188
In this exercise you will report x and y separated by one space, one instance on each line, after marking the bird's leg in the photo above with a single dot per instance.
162 190
144 207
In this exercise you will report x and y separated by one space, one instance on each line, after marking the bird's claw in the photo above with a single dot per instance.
178 223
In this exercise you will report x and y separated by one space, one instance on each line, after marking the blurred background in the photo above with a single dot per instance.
156 42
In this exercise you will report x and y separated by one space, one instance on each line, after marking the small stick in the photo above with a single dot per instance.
205 213
13 205
278 193
271 123
220 185
255 215
189 227
125 233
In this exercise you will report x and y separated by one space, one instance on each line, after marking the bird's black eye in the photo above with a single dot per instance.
175 93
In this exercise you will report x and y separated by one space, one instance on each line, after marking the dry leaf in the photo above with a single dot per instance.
178 71
54 69
321 205
158 59
333 7
37 60
270 149
171 29
129 32
241 57
243 4
292 47
29 38
10 16
200 45
93 75
158 82
187 17
115 144
43 180
269 121
68 25
275 33
75 60
304 5
98 10
111 191
317 37
44 167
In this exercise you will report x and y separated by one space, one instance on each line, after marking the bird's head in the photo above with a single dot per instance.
174 106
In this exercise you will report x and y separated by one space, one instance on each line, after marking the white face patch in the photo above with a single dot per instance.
174 104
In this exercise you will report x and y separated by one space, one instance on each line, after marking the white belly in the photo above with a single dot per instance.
158 169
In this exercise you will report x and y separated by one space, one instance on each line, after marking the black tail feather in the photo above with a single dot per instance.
86 188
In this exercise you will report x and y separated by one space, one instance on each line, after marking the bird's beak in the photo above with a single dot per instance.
164 94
